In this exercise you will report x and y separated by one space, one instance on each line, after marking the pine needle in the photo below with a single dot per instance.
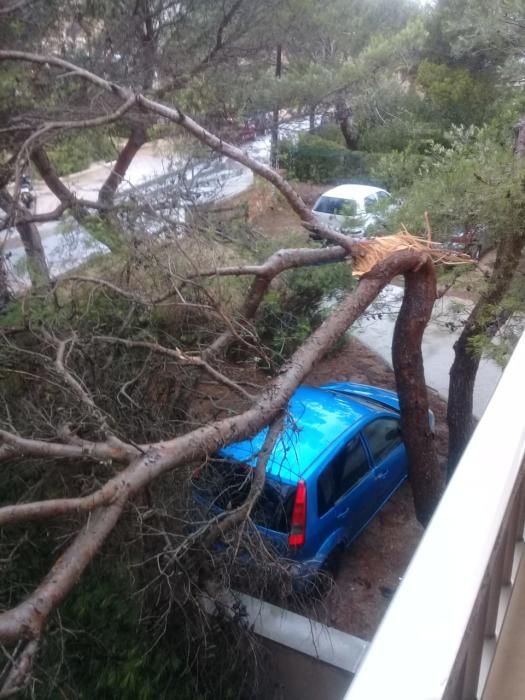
371 252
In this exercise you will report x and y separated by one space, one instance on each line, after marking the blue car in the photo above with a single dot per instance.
338 460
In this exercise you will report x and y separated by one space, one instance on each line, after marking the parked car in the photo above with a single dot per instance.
238 131
472 240
27 193
339 459
352 209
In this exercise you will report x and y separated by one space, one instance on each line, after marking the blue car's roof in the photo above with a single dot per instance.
316 418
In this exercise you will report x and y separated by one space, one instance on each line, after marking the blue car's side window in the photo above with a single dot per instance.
383 436
341 474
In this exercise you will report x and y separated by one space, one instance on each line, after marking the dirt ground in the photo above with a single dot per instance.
374 564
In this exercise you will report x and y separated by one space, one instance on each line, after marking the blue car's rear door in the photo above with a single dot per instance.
345 488
387 450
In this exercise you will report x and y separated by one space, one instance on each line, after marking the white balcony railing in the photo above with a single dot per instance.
439 635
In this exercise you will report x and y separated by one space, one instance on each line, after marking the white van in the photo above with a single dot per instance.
351 209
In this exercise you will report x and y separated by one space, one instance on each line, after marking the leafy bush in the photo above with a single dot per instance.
75 152
410 133
293 309
455 92
315 159
398 169
330 131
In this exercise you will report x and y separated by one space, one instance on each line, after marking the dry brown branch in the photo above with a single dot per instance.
216 527
136 299
81 393
22 215
20 671
27 620
13 445
177 355
428 227
277 263
56 507
281 260
243 512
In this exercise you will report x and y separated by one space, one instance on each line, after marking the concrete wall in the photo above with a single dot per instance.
301 677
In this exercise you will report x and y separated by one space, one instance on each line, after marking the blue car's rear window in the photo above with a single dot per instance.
224 484
366 401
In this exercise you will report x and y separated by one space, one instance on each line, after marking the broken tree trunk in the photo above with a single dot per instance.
414 315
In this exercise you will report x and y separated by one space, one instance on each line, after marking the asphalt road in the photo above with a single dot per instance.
377 328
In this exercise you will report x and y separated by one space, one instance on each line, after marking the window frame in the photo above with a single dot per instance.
342 494
374 460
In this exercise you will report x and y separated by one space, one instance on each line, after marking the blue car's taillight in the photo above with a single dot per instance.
297 535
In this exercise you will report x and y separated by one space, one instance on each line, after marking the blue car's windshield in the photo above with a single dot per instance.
224 485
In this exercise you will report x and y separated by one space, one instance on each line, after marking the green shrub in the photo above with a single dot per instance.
331 131
75 152
460 97
314 159
293 309
398 169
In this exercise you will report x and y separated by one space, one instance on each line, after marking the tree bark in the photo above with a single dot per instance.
482 321
423 467
117 238
311 120
48 173
36 258
343 116
274 133
5 295
149 45
136 140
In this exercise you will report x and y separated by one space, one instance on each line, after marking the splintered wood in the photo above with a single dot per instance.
369 253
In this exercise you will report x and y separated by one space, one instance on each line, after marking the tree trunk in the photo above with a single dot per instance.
482 321
423 467
149 44
136 140
107 229
274 133
36 258
311 119
49 175
343 116
5 295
